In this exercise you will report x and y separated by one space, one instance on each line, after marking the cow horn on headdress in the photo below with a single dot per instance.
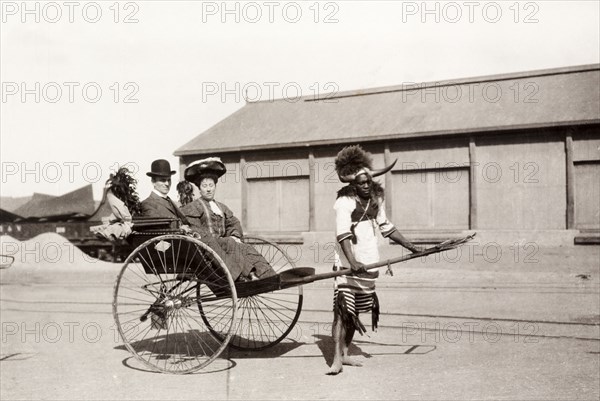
353 161
377 173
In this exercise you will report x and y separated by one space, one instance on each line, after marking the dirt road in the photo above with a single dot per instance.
443 335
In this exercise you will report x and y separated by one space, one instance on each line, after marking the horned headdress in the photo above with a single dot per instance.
353 161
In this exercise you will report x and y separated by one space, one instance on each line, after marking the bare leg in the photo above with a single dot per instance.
338 334
346 360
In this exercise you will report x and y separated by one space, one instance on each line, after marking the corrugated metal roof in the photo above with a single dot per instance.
11 204
33 205
80 202
532 99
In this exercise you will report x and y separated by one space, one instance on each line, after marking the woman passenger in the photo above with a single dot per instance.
121 195
210 217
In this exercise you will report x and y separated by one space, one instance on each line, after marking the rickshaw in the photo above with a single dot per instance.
176 306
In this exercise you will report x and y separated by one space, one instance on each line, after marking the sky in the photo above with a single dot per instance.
88 86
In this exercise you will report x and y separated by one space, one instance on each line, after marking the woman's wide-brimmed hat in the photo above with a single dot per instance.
211 166
160 168
353 161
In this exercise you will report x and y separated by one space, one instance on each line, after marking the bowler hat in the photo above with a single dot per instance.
160 168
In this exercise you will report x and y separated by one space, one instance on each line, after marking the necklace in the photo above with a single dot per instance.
364 213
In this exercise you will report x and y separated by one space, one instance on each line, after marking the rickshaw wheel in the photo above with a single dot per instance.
156 298
264 319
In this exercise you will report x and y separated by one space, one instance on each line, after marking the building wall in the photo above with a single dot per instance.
72 230
586 177
326 186
430 185
500 181
228 190
521 182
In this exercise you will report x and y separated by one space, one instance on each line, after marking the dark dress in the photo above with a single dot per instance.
156 206
224 227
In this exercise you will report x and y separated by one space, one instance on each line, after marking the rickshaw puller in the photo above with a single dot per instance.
360 212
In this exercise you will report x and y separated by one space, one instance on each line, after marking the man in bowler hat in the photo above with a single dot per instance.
159 205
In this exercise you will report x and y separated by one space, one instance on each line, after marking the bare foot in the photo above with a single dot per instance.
350 361
336 368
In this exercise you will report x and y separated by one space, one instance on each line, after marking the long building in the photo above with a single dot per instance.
513 157
71 215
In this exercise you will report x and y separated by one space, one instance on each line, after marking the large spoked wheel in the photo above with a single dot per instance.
156 298
266 318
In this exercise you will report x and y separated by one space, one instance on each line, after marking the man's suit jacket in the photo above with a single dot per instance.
157 206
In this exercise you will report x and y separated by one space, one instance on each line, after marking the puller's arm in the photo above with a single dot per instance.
401 240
